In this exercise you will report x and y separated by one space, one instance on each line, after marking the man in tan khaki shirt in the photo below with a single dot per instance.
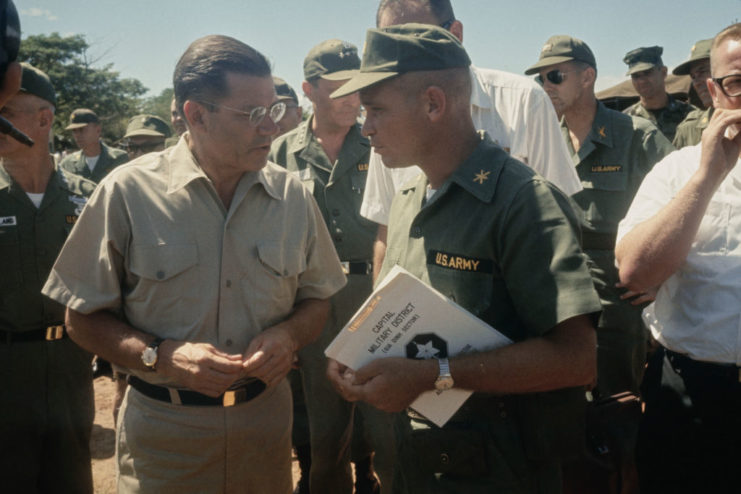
211 269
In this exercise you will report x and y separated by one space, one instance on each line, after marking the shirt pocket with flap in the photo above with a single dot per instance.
156 264
282 263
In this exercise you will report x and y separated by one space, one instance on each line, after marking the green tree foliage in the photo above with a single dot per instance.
81 85
159 105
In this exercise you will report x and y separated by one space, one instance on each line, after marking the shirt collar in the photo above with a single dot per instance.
602 126
184 169
478 174
303 136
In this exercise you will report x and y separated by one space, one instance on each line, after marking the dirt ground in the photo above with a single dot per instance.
102 442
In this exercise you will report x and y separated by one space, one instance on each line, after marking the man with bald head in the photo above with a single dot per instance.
530 279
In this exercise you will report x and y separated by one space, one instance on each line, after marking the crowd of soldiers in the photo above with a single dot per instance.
223 252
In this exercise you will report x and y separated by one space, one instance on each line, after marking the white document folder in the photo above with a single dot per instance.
403 317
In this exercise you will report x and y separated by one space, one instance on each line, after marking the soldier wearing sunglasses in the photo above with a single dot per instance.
648 74
612 153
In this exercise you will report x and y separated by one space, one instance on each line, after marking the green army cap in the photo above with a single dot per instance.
36 82
284 90
333 59
395 50
643 58
562 48
699 51
80 118
147 125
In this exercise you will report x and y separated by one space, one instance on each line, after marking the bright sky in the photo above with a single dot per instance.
143 39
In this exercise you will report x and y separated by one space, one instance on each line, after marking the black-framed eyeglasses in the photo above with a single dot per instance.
555 76
255 115
729 84
446 25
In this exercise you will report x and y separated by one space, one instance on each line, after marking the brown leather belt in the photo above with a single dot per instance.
187 397
49 333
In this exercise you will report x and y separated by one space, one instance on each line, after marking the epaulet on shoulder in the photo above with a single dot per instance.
76 184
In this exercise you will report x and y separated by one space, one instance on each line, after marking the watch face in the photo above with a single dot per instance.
149 356
443 383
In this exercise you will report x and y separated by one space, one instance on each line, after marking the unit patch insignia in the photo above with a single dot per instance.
425 346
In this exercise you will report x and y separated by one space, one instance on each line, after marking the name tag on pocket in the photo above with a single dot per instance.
8 221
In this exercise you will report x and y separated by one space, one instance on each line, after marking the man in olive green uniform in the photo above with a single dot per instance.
294 112
145 134
612 153
46 391
329 154
689 131
95 159
648 74
528 278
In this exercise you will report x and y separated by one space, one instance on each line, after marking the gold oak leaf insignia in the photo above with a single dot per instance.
602 132
481 176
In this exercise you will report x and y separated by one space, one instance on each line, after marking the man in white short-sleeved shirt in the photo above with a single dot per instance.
682 236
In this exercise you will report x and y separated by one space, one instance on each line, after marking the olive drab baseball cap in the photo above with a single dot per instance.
80 118
699 51
562 48
284 90
147 125
333 59
395 50
36 82
644 58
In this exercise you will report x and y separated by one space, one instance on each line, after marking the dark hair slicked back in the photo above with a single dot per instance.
201 71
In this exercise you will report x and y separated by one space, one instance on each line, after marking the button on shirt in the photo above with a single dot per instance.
517 115
157 243
698 309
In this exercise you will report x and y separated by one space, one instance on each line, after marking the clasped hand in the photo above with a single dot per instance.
208 370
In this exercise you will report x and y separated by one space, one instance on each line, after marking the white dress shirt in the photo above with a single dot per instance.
697 311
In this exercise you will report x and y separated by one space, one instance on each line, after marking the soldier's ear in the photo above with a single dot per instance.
436 103
456 29
46 118
308 89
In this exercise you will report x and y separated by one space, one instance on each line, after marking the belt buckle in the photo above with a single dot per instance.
229 399
54 333
345 267
234 397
